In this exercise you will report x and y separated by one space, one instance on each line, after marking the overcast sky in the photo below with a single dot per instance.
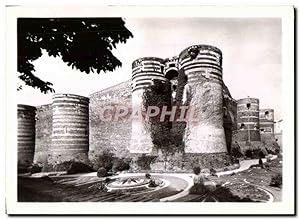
251 57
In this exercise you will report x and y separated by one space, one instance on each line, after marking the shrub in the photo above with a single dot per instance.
144 161
213 172
107 180
103 160
64 166
198 189
256 153
236 150
235 161
152 183
148 176
197 170
79 167
248 153
35 168
276 180
72 167
261 154
101 172
120 165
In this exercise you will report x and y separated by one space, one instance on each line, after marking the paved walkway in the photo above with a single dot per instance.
244 165
188 177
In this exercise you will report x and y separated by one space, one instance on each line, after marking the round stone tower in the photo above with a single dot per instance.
203 93
26 135
248 119
266 125
145 71
266 121
70 134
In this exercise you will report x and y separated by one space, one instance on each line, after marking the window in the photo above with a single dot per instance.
248 105
242 126
266 113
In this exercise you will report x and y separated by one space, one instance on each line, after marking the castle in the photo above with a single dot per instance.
70 128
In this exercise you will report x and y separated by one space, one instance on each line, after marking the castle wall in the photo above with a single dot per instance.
110 135
43 133
26 135
79 130
230 118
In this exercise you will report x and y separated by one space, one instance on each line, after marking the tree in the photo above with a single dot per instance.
82 43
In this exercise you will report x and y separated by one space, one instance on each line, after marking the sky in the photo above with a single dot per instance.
251 50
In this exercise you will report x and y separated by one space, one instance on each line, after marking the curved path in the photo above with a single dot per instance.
244 165
179 183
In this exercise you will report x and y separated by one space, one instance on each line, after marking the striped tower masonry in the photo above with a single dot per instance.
266 123
202 64
70 134
26 135
266 120
144 71
248 119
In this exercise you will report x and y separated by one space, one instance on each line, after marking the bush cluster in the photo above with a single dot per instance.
145 161
199 189
101 172
256 153
110 163
35 168
103 160
120 165
106 162
72 167
276 180
236 150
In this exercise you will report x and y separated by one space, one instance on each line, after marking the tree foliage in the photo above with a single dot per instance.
82 43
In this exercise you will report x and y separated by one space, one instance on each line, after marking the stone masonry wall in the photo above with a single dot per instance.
43 132
111 135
